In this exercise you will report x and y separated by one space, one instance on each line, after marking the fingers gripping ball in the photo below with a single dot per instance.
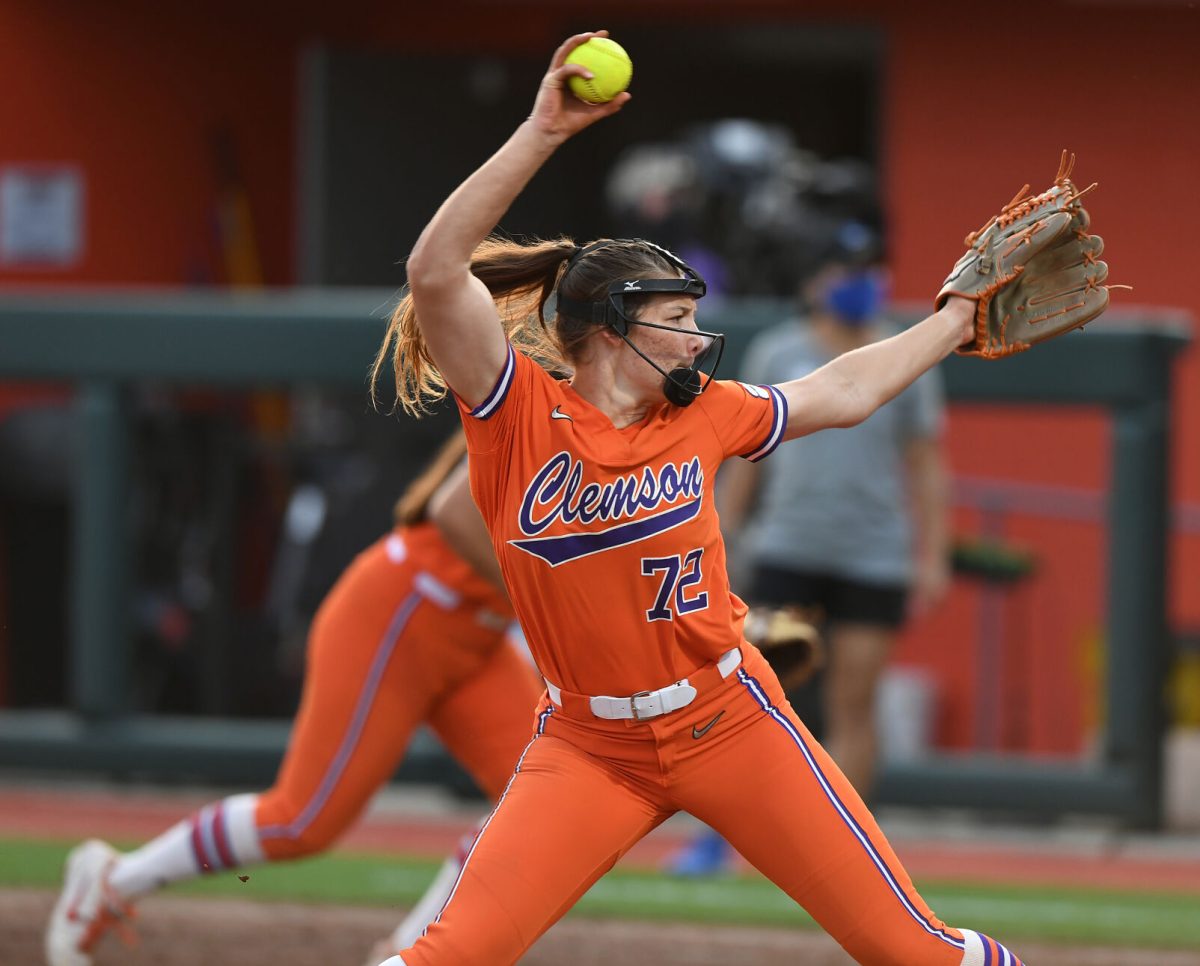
1033 270
610 66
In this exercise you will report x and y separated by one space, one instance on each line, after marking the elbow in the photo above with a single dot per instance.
430 272
856 405
421 270
850 419
859 411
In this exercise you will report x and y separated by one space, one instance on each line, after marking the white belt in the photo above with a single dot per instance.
651 704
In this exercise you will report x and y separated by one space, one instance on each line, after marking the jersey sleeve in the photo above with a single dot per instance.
493 429
748 420
489 425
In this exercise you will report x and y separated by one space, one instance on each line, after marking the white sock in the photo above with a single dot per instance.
973 953
222 835
976 954
429 907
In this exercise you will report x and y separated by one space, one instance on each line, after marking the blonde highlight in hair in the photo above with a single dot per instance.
521 278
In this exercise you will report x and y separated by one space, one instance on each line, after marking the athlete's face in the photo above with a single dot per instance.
677 344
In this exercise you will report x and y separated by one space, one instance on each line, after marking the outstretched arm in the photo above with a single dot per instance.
847 390
455 311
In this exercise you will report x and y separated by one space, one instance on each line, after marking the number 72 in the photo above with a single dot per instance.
679 574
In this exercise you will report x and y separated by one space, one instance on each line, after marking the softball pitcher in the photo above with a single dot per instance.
410 633
598 493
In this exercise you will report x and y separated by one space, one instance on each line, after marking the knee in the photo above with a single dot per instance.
291 843
287 832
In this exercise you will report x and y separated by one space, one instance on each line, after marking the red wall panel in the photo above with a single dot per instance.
130 97
130 91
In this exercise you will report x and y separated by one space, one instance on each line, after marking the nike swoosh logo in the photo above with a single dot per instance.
701 732
557 413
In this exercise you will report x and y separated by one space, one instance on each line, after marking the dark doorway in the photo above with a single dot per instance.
380 150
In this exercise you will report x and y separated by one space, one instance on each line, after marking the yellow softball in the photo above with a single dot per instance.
610 66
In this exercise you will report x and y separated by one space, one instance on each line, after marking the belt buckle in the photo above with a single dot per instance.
633 705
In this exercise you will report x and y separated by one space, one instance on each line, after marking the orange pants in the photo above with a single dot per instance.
585 791
382 659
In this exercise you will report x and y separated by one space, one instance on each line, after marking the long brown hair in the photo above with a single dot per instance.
521 277
413 506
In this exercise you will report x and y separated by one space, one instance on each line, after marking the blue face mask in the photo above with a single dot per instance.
856 298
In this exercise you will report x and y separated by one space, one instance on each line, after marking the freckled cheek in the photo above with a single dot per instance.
668 344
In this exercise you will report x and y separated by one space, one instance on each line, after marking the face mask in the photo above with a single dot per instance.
682 384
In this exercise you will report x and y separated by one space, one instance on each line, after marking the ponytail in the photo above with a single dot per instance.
520 277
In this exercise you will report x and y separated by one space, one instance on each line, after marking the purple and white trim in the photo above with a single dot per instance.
779 420
983 950
210 839
485 409
839 806
366 700
543 717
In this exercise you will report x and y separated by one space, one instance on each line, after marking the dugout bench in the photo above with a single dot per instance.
105 342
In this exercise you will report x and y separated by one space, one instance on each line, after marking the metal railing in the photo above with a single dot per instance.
104 343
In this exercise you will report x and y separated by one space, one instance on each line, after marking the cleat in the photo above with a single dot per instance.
87 908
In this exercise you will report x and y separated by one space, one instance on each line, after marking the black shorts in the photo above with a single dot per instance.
839 598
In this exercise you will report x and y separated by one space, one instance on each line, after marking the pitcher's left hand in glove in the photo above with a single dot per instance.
789 640
1033 270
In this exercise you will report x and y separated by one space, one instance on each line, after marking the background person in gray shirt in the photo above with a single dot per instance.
850 524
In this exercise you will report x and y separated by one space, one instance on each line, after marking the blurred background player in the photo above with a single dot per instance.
413 632
850 526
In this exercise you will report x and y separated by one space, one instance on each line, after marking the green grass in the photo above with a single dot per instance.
1101 917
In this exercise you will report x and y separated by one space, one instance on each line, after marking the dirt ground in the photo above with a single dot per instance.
185 931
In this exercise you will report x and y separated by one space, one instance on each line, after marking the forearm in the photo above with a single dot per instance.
443 252
853 385
876 373
847 390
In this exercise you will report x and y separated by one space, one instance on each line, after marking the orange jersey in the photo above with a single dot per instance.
608 538
455 583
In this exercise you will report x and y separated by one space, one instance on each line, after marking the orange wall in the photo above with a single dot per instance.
127 91
129 95
1119 86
